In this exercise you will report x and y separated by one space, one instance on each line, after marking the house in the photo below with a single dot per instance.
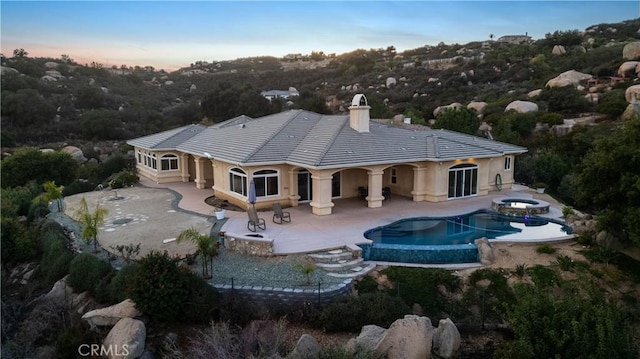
273 94
299 156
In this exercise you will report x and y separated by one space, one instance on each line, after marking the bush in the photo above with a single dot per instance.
352 313
56 256
492 284
543 276
545 249
124 179
86 271
120 282
202 300
158 287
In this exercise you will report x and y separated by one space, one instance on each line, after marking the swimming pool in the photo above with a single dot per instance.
450 239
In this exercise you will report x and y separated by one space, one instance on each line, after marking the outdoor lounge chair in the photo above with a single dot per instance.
255 222
280 216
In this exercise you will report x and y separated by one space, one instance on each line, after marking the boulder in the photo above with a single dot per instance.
126 339
369 337
168 83
534 93
633 109
628 68
47 78
478 106
8 70
60 291
608 240
307 347
571 77
521 106
446 339
75 152
632 94
592 97
407 338
440 109
558 50
54 73
51 65
111 315
484 127
192 88
390 81
631 51
485 251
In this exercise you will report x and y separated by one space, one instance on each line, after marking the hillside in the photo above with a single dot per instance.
46 100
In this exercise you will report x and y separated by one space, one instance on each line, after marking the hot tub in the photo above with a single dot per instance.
519 206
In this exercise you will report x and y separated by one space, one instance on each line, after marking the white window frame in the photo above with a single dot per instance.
507 163
265 176
464 174
234 173
393 176
172 162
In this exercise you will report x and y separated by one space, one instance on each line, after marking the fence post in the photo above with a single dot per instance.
319 301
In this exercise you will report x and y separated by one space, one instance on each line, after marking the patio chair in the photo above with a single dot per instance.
280 216
255 222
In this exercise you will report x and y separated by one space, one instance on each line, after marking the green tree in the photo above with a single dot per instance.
52 193
30 164
550 167
206 247
608 179
463 120
90 221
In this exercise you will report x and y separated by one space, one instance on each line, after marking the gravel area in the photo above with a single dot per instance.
228 266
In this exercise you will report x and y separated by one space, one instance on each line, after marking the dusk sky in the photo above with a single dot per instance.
169 35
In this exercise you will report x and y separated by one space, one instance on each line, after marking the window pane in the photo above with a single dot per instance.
474 181
260 186
459 183
165 164
335 185
452 184
272 186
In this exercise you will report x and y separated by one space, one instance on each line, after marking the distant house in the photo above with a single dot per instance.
515 39
298 156
274 94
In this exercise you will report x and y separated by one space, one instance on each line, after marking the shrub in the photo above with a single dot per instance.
585 239
202 300
567 211
124 179
565 262
366 284
545 249
155 287
543 276
352 313
56 257
86 271
421 285
492 284
521 270
120 282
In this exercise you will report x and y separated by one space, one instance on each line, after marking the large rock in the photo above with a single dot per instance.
628 68
8 70
126 339
60 291
390 81
632 94
631 51
47 78
608 240
558 50
571 77
633 109
446 339
75 152
485 251
51 65
369 337
440 109
307 347
111 315
534 93
478 106
521 106
408 338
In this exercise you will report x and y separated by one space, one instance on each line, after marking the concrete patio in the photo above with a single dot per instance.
350 218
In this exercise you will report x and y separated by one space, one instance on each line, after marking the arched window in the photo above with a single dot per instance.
169 162
463 180
266 182
238 181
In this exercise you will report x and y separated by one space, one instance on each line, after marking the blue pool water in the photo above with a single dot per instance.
450 239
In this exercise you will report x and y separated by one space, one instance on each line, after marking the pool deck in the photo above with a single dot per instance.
350 219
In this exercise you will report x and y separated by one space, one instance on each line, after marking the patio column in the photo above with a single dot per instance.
419 184
184 167
321 204
213 173
294 197
200 181
375 197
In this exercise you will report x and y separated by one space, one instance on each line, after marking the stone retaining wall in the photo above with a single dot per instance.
267 297
250 245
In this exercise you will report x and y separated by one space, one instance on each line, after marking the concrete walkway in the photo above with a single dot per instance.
350 219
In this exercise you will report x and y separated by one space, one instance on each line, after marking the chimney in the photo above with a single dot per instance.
359 113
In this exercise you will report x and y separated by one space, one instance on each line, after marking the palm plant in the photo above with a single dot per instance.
51 193
206 248
90 222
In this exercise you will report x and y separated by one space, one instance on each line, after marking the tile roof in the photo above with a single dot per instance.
322 141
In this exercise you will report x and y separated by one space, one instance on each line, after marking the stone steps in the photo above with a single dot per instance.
341 263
